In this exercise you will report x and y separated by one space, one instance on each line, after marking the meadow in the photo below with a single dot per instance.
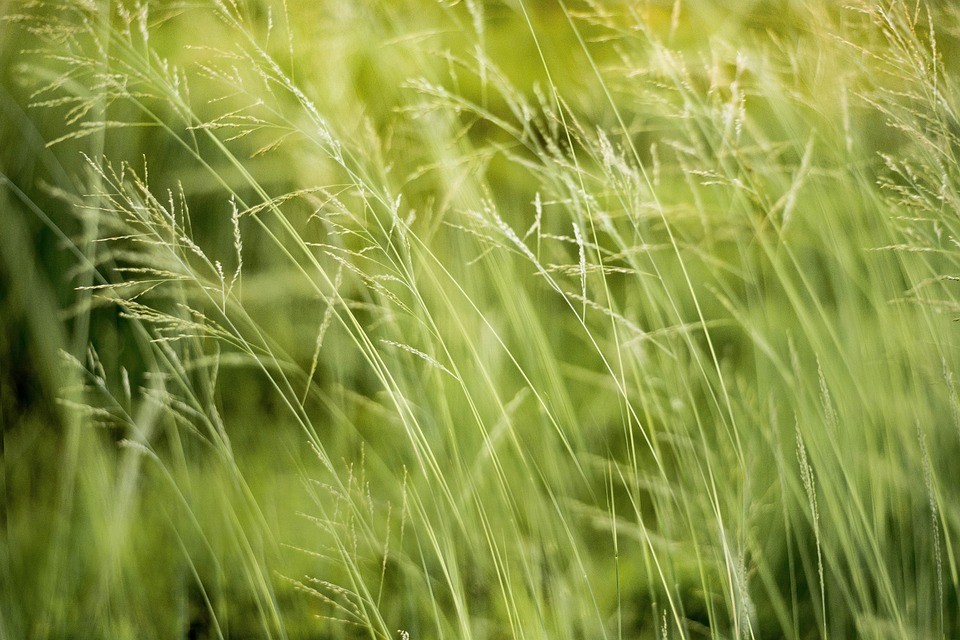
479 319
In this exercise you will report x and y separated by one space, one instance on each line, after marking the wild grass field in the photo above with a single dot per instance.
479 319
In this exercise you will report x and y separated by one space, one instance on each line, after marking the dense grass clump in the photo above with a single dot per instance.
479 319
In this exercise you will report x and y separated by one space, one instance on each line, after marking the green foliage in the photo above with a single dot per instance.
479 320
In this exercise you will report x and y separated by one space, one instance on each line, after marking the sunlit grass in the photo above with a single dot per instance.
476 321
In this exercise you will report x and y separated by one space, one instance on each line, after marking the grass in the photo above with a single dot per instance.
480 320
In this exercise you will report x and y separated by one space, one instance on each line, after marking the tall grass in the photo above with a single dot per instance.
484 321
